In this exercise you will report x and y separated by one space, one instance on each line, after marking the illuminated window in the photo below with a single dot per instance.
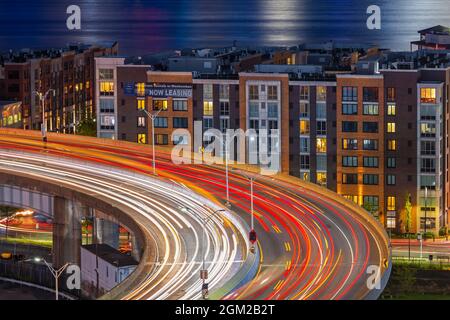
391 109
141 104
370 144
350 144
141 122
428 95
142 138
321 145
304 127
160 105
107 88
392 145
391 127
305 176
370 109
140 89
322 178
428 130
390 219
208 108
391 203
352 198
321 94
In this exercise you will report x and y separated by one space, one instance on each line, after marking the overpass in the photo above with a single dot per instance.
313 243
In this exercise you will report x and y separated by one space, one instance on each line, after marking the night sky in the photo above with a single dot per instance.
147 26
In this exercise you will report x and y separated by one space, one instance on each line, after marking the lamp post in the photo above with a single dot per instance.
42 97
203 270
426 209
152 117
252 234
226 171
55 272
227 184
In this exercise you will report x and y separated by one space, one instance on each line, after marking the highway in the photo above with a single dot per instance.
312 243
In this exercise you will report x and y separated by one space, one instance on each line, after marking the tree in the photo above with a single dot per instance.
87 127
408 209
370 208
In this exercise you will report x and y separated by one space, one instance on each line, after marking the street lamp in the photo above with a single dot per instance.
203 271
42 97
55 272
152 117
226 145
252 234
426 209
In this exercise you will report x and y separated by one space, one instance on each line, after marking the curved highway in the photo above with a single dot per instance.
312 243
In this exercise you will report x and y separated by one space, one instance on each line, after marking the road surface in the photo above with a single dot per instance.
313 244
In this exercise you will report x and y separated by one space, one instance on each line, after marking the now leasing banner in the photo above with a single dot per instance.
162 90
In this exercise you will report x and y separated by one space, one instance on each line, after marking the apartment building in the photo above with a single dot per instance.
70 72
393 146
361 145
378 138
312 131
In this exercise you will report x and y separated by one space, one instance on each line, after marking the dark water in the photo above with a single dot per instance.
146 26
